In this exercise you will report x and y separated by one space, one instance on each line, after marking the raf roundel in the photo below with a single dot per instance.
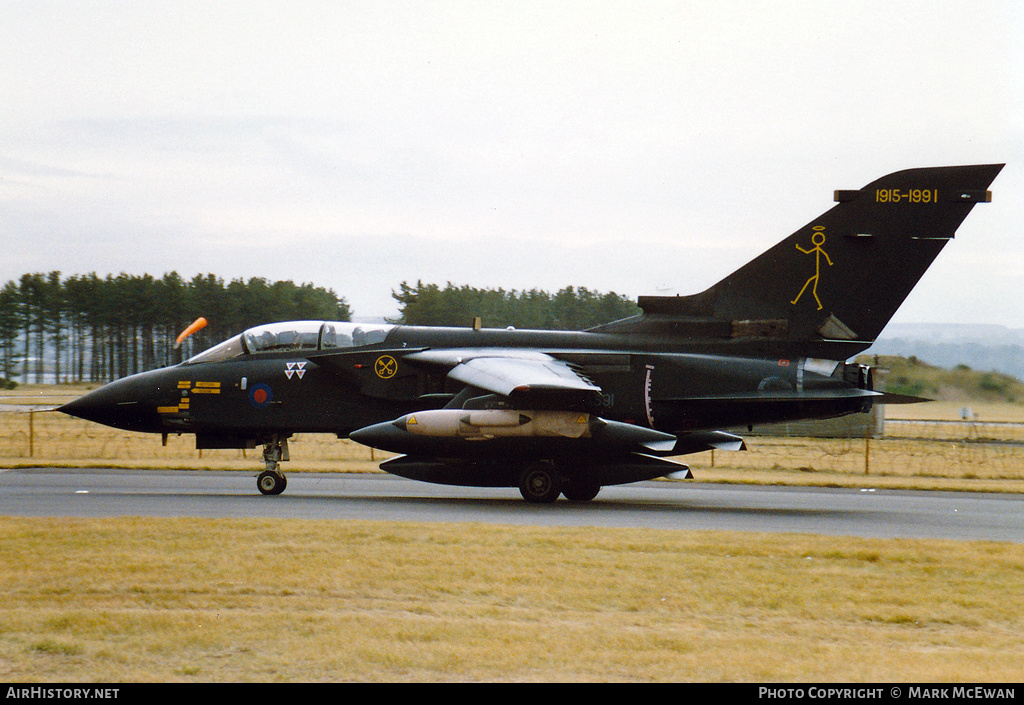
261 395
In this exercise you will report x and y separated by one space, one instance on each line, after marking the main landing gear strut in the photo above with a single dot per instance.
272 480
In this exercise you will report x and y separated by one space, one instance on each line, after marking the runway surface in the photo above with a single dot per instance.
659 505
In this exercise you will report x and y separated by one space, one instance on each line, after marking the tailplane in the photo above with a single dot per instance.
829 288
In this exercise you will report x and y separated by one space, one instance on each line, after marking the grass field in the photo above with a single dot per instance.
132 600
152 600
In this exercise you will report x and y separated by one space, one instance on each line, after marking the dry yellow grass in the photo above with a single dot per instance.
123 600
54 439
263 600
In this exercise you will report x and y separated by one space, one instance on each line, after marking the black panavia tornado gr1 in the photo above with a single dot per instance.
567 412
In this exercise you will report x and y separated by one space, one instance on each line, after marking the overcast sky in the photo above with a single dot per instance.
636 147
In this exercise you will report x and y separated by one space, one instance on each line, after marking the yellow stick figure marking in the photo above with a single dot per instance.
817 239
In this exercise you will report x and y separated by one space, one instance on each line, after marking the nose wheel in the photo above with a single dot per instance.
272 480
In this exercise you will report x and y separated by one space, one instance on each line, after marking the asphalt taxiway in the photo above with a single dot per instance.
685 505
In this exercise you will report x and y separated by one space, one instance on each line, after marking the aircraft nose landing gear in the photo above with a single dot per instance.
272 480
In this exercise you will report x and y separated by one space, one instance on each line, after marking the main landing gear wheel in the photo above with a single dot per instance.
540 483
581 491
271 482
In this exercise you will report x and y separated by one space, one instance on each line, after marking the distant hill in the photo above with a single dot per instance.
986 348
960 383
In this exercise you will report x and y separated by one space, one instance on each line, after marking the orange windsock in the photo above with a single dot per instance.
197 324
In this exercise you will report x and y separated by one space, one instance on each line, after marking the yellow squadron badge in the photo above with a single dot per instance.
386 367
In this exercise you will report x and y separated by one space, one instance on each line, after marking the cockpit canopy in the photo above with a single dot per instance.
295 336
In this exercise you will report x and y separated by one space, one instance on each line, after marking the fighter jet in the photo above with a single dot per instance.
564 413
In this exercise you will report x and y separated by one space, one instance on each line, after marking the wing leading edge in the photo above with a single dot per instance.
511 373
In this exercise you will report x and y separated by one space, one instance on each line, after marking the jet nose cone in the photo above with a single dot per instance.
107 405
82 407
122 404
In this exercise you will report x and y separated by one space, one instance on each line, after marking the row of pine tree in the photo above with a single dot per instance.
87 328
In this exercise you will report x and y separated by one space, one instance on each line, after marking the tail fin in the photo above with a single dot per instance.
830 288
